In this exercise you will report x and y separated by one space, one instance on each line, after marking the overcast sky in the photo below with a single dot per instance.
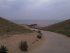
35 9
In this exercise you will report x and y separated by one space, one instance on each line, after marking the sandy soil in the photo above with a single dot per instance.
50 43
13 42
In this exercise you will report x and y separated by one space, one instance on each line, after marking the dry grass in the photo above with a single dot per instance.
62 27
8 27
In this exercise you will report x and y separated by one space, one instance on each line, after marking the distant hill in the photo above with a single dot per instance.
8 27
61 27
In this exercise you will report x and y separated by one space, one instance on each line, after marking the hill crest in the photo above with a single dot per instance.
61 27
8 27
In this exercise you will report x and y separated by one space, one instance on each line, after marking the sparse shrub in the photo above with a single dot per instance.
39 36
3 49
23 46
40 32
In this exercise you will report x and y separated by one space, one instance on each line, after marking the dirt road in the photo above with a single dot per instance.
51 43
54 43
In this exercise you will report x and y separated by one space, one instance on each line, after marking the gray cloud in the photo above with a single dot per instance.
35 9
